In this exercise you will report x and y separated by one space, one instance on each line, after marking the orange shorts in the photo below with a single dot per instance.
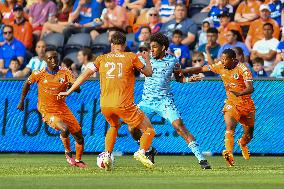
131 115
67 117
242 114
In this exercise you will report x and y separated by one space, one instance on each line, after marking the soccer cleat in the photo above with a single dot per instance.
140 156
245 150
81 164
229 158
70 160
107 161
204 164
151 154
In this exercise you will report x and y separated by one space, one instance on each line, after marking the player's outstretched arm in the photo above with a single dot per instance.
79 81
195 70
248 90
25 91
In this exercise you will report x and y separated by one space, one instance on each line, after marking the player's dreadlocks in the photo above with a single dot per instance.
160 39
118 38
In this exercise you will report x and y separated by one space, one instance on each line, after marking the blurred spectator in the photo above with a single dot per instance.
207 23
233 3
39 13
198 60
13 68
166 9
247 11
226 25
266 48
2 39
211 48
181 22
70 65
276 8
135 6
280 53
11 48
278 71
29 4
85 56
234 39
7 11
221 7
145 34
255 32
22 28
258 68
180 51
241 57
114 16
58 22
37 62
154 20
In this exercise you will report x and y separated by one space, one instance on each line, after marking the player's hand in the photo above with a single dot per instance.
145 55
62 95
21 106
195 78
236 93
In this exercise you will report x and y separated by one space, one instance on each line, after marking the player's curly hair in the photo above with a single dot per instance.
118 38
230 53
161 39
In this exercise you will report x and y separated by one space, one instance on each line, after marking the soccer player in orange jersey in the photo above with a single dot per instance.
239 106
51 81
117 79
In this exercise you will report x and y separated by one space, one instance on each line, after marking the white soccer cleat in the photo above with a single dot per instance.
140 156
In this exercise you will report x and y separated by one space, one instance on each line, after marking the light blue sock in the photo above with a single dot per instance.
193 145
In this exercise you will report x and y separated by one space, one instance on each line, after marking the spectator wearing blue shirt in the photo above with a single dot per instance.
181 22
83 15
278 71
280 52
211 48
13 68
1 30
276 9
216 10
180 51
11 48
258 68
234 39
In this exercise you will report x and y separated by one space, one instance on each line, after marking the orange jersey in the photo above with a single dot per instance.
117 78
251 7
222 39
234 80
49 85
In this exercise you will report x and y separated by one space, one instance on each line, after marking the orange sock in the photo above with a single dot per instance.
229 141
79 151
66 143
110 139
147 138
245 140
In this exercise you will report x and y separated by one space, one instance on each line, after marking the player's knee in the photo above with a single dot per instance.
65 134
150 131
79 137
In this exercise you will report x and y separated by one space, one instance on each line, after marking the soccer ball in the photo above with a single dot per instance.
102 157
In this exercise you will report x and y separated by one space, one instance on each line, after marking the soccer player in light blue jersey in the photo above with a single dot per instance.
158 99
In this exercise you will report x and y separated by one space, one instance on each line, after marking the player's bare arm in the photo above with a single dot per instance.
79 81
248 90
147 70
25 91
178 73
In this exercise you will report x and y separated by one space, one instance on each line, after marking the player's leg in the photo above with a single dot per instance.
231 124
248 125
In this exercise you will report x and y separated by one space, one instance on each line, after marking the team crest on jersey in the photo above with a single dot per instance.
236 76
61 80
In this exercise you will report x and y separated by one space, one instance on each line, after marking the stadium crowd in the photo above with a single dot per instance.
199 30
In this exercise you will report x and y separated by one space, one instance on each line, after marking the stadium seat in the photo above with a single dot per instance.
101 44
54 41
199 3
199 17
193 11
77 42
72 56
102 39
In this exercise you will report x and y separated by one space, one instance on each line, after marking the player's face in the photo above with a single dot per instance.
51 59
227 62
157 50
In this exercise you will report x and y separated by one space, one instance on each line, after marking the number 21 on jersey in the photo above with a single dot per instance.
112 67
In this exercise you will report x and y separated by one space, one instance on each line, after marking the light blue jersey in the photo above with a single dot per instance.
157 97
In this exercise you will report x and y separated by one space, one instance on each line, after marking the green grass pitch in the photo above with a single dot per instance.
35 171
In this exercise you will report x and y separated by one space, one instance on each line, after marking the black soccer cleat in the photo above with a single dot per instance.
151 154
204 164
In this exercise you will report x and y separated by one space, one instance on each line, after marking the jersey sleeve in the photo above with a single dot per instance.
246 73
216 68
34 77
96 65
137 63
70 76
